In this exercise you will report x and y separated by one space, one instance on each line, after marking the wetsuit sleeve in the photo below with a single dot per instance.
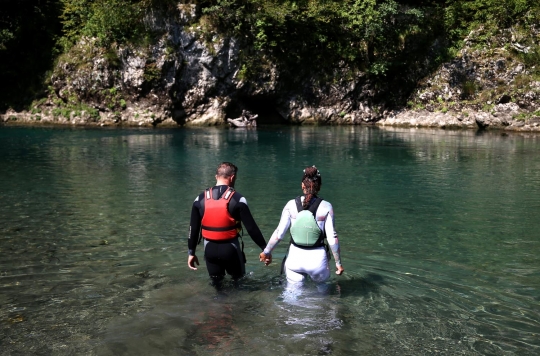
331 234
194 226
281 230
250 224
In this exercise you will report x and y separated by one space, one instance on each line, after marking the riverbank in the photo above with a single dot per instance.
492 82
195 73
499 119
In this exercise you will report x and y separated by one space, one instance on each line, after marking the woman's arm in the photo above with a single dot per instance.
332 238
281 230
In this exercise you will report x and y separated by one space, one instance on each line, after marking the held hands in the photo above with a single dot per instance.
339 270
267 259
192 260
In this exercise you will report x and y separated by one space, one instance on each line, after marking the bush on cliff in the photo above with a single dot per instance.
387 39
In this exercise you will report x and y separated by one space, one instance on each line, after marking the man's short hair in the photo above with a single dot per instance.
226 169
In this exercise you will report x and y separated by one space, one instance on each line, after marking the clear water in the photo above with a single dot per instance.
439 233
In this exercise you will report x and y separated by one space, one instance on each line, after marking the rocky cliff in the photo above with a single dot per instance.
484 86
187 77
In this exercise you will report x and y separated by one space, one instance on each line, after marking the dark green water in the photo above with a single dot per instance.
439 233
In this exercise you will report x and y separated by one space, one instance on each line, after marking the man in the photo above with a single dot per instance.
217 215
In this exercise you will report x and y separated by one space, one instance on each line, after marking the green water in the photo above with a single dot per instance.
439 233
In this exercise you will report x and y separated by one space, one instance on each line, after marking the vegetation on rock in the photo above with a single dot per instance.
392 42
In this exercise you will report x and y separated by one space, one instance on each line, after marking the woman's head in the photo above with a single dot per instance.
311 183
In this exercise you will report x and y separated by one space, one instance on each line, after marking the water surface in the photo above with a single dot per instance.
439 236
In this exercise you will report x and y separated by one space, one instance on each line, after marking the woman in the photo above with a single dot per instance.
311 221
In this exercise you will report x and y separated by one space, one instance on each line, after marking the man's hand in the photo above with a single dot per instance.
267 259
339 270
192 260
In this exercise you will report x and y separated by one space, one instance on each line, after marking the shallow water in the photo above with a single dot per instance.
439 236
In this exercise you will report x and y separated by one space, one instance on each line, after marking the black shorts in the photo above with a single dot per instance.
224 256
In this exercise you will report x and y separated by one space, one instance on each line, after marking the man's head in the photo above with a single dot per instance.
226 173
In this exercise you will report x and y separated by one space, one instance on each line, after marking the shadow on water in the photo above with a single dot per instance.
260 315
360 286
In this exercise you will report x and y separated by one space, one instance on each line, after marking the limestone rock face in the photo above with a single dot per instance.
490 84
187 78
180 79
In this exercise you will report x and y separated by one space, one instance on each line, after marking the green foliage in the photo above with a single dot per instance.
463 15
28 34
61 112
243 72
5 36
152 73
527 115
304 38
531 59
468 89
75 110
112 99
108 20
112 58
319 36
115 20
488 107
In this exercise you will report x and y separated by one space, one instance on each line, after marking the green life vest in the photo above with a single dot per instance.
305 231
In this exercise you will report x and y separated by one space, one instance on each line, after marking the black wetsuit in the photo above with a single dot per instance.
224 256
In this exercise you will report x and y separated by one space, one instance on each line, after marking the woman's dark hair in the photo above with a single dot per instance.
312 182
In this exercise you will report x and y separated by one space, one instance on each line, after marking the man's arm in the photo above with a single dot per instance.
193 237
194 228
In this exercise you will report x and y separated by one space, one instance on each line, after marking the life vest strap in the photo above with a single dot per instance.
227 195
313 206
226 228
319 243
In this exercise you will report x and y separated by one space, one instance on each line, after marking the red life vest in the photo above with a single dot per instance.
217 222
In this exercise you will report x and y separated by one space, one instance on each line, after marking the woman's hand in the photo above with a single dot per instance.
339 270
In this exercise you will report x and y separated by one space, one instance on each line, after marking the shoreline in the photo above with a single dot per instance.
464 120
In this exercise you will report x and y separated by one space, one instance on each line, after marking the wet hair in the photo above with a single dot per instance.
226 169
312 182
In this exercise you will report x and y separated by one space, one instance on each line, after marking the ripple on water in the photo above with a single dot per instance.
438 233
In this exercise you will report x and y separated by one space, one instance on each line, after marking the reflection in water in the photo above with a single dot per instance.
308 317
242 136
439 234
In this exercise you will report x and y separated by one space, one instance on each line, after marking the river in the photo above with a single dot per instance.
439 232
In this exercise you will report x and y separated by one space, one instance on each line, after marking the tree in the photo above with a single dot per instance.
29 30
